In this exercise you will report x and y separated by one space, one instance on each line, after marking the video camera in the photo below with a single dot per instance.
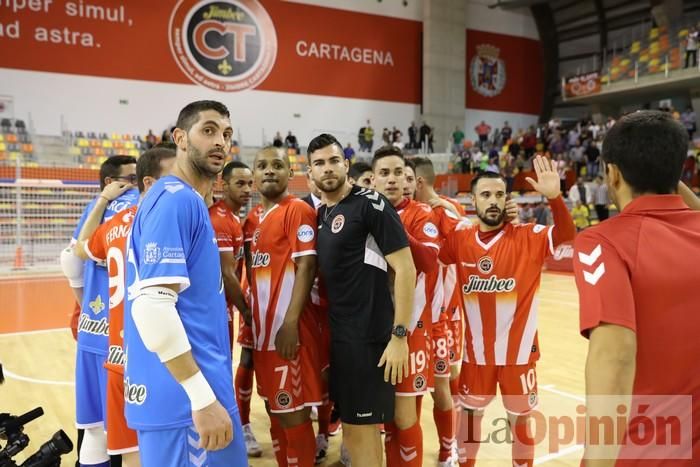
12 431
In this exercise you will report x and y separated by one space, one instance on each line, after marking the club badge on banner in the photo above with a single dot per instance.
582 85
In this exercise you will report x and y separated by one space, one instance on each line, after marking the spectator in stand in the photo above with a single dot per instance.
423 135
689 169
601 201
349 153
386 137
593 159
541 213
413 136
277 141
396 136
361 139
573 136
688 120
291 142
526 214
506 133
576 156
514 147
580 192
581 216
691 47
166 136
530 142
507 164
151 139
482 131
369 137
431 134
562 167
457 140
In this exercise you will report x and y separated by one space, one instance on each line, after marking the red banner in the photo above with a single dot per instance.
226 45
563 258
582 85
504 73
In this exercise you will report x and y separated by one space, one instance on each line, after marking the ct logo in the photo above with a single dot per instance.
485 265
226 45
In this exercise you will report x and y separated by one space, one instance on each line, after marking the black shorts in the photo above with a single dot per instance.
357 385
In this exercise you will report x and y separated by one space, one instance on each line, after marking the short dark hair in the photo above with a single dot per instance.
228 169
148 164
166 145
189 115
112 167
424 168
386 151
322 141
484 175
357 169
411 164
649 147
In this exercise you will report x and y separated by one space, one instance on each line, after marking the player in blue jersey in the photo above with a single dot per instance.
178 381
89 282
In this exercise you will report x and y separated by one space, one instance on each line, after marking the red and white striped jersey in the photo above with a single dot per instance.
285 232
498 282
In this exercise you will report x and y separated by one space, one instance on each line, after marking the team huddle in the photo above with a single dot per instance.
360 299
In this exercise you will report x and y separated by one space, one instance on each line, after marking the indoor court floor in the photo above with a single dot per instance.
37 352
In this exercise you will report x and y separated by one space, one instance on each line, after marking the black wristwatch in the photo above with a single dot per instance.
399 331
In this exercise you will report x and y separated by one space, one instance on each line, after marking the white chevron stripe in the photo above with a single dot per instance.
198 461
592 257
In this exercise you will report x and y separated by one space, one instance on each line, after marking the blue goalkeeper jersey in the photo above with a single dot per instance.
172 242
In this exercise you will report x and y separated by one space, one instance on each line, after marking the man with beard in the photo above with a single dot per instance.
498 268
285 331
178 385
360 238
237 186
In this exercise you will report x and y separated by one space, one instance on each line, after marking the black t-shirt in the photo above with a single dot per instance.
592 153
353 238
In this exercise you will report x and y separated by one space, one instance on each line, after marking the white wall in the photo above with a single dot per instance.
517 121
92 104
516 22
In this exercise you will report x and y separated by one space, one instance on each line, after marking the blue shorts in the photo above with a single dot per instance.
178 448
90 389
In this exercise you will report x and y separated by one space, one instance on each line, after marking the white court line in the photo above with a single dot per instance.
29 333
11 375
558 454
551 388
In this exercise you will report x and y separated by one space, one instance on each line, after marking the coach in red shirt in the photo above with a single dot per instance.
638 274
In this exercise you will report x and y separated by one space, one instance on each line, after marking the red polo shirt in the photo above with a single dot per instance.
641 270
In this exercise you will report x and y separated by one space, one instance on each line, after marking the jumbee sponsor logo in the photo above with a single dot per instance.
134 393
93 326
491 285
260 259
116 355
226 45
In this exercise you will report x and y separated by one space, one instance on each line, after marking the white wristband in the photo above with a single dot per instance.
198 390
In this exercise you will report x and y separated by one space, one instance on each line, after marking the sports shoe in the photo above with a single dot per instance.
345 456
251 444
321 448
334 427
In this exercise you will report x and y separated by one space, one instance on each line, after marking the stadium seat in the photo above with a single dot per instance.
28 148
83 143
11 138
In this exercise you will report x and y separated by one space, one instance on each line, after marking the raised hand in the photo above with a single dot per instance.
547 182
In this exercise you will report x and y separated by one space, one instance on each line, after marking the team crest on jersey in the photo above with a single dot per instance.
305 233
151 255
440 366
532 399
485 265
284 400
537 228
338 223
419 383
97 305
430 230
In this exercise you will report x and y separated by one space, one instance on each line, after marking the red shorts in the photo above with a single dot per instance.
440 348
291 385
120 438
245 333
518 385
455 339
420 373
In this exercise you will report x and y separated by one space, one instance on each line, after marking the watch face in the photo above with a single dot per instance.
399 331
